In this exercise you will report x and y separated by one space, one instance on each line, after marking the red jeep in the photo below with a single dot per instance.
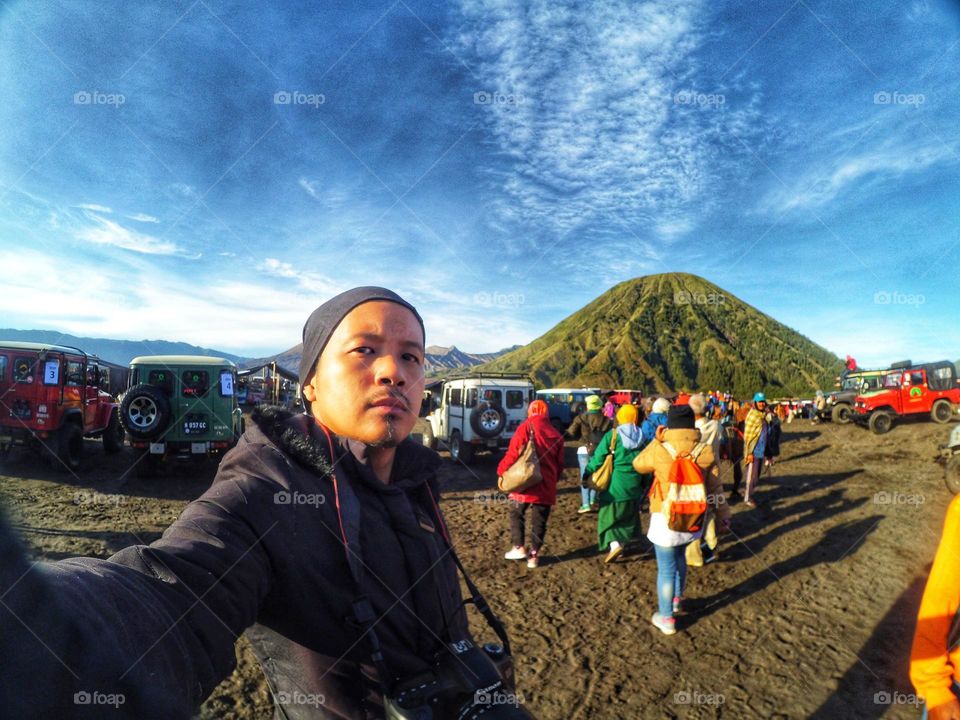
930 389
51 396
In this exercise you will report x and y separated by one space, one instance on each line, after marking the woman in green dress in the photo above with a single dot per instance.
618 520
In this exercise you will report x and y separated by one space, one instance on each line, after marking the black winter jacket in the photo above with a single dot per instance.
261 549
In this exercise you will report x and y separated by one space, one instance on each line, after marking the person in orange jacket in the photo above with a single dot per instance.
935 655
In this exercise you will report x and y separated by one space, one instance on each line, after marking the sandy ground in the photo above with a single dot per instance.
808 613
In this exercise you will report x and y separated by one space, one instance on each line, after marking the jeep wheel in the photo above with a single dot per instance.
427 438
841 414
488 420
113 434
941 412
459 450
951 475
69 447
145 412
880 422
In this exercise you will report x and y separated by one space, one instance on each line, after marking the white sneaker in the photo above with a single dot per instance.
517 553
533 559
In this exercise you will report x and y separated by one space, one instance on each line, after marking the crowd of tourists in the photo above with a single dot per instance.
637 447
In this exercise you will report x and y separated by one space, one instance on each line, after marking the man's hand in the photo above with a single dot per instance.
749 458
949 711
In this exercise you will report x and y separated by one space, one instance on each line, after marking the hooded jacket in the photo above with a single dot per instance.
262 548
625 484
656 459
589 428
549 449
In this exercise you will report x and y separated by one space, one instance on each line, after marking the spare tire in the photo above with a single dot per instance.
488 420
145 412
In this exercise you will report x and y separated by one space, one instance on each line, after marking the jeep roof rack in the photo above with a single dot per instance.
22 345
484 375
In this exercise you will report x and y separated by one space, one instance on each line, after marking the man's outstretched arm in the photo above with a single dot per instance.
149 632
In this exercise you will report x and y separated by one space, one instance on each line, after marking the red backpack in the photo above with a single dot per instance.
685 504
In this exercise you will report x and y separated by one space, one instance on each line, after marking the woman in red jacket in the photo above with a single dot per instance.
548 443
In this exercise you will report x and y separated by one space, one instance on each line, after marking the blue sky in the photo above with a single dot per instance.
210 171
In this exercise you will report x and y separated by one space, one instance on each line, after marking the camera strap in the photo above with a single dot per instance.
348 515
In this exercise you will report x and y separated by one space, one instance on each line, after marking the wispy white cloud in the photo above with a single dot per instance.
94 208
304 279
311 186
233 315
107 232
887 162
599 109
143 217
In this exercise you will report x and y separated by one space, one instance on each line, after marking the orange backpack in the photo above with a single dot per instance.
685 504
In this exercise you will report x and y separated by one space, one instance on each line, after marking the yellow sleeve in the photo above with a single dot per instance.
932 666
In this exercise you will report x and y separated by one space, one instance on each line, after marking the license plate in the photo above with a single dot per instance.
198 448
195 425
156 448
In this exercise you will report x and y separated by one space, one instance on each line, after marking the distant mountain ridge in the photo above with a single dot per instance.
120 352
437 359
670 332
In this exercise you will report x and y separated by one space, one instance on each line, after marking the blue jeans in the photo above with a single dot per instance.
671 576
587 496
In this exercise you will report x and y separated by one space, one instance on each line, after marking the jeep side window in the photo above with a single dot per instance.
471 397
492 396
3 368
916 378
196 383
74 373
531 395
93 375
162 379
455 396
514 399
23 370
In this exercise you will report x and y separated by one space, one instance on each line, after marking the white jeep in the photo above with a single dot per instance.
473 413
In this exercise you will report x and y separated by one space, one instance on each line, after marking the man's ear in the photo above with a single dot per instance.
309 392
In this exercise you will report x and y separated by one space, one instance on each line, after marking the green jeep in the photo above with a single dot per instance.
181 405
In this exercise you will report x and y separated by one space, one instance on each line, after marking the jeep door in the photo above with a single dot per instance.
91 397
914 394
455 411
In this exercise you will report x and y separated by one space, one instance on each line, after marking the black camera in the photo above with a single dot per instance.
464 682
